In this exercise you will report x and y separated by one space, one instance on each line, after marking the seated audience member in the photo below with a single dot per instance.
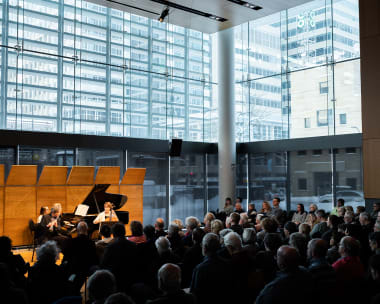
305 230
16 265
159 225
269 225
191 223
323 274
349 209
80 255
293 284
375 211
366 229
332 236
216 226
7 289
259 218
353 230
223 233
374 242
209 217
228 207
365 223
374 270
165 252
266 209
277 213
179 223
105 233
211 274
251 214
340 203
169 282
43 211
298 241
138 236
192 257
119 298
349 267
272 242
121 258
289 228
376 227
349 217
311 218
175 239
321 227
234 223
239 208
249 241
100 286
47 281
300 215
359 209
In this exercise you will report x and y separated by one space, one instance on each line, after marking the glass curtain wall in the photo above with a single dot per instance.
72 66
298 73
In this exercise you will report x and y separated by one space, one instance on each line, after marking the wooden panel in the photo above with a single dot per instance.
2 181
134 176
81 175
49 195
108 175
134 204
75 195
371 168
53 175
22 175
1 210
20 206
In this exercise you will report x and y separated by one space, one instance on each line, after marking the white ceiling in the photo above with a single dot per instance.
236 14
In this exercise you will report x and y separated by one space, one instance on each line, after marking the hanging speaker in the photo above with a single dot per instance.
175 147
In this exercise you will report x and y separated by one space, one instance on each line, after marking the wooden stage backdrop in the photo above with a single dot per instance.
22 195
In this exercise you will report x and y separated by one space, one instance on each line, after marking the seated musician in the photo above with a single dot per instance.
51 220
108 215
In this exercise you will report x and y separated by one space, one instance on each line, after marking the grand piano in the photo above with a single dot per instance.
95 201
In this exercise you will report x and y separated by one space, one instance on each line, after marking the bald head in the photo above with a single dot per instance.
287 258
169 277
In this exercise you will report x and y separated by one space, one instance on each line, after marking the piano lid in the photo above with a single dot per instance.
98 196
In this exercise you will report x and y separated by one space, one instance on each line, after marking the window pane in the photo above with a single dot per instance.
311 179
212 182
187 192
267 178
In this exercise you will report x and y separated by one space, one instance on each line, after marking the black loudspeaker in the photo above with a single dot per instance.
175 147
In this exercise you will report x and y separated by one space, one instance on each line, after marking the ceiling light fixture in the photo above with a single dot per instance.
163 15
247 4
190 10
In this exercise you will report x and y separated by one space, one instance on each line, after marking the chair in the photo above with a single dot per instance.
32 228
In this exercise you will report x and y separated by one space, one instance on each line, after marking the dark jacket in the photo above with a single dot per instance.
174 298
120 257
192 258
288 287
324 277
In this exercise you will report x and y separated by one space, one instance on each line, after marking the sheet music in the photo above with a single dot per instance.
81 210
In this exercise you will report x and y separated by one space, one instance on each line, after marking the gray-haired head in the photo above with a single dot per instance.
119 298
82 227
348 246
364 218
173 229
191 223
298 241
249 236
101 285
48 252
317 248
210 244
169 277
232 241
162 245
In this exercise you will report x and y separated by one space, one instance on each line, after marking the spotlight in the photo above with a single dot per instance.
163 15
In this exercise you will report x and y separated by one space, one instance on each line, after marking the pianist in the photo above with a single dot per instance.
108 215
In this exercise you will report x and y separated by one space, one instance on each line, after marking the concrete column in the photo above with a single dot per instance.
369 17
226 103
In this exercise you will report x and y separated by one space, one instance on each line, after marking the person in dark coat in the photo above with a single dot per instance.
120 257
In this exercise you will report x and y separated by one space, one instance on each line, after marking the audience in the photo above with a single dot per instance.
325 262
228 207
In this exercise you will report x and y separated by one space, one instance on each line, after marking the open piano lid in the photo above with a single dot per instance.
98 196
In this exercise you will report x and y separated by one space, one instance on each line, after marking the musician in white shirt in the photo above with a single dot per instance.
107 215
